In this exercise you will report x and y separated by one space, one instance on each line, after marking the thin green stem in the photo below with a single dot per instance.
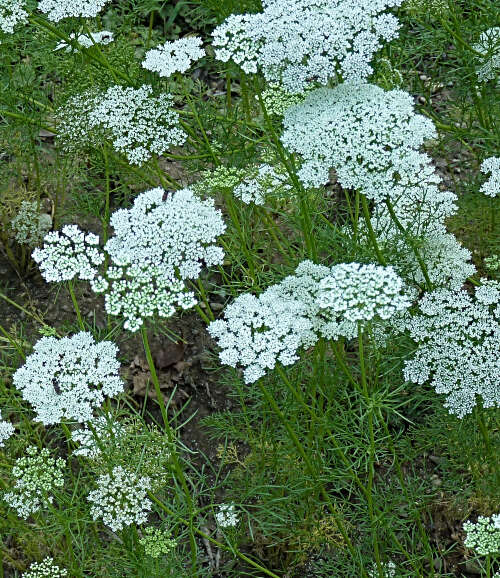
206 536
312 471
75 305
371 234
411 243
171 438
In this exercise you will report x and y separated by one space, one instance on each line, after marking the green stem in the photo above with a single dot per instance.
212 540
307 224
371 464
150 29
105 220
171 438
295 440
411 243
486 438
75 305
371 233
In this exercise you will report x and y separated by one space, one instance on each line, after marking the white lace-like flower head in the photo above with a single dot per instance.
30 225
58 9
45 569
258 332
6 430
370 137
484 535
12 13
94 434
103 37
458 346
68 378
492 186
120 499
296 43
140 124
36 474
489 46
162 240
260 183
176 56
68 254
362 292
226 516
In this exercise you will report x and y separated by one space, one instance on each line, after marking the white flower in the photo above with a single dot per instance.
37 474
12 13
45 569
458 351
68 254
94 434
484 535
489 46
120 499
174 56
161 241
368 136
261 183
30 225
277 100
58 9
448 263
298 42
362 292
68 378
388 568
140 124
6 430
226 516
103 37
492 186
258 332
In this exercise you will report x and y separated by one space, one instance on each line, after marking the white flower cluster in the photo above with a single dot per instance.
226 516
258 332
68 378
68 254
157 542
94 434
484 535
120 499
162 240
458 341
489 46
362 292
298 42
369 136
12 12
175 56
103 37
492 186
261 183
45 569
448 263
30 225
6 430
388 568
276 100
140 123
37 474
219 178
58 9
